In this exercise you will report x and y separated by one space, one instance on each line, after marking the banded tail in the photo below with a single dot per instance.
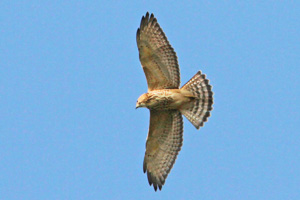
199 109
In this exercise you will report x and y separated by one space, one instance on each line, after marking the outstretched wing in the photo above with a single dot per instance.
158 58
163 144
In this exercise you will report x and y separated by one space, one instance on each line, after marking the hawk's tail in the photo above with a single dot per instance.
198 110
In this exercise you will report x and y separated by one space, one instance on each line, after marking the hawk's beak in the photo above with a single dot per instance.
140 105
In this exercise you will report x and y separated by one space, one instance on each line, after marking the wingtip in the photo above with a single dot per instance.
137 34
151 16
149 178
143 18
160 187
147 17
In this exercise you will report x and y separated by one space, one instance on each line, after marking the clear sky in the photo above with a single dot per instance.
70 77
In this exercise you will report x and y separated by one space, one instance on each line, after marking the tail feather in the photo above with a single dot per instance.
198 110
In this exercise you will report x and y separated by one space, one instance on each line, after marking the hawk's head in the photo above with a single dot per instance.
142 100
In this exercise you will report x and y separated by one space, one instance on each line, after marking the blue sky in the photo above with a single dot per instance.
70 77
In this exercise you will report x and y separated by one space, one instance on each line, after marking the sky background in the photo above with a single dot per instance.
70 77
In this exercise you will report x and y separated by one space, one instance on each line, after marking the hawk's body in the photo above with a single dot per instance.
166 101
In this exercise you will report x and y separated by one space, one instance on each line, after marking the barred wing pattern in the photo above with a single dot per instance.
163 144
158 58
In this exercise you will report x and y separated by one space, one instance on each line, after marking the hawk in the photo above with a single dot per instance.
166 101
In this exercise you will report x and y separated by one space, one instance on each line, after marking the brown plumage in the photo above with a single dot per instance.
166 101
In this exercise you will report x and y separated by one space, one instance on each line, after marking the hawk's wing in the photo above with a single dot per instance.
157 56
163 144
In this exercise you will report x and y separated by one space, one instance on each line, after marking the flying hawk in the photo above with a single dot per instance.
166 101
